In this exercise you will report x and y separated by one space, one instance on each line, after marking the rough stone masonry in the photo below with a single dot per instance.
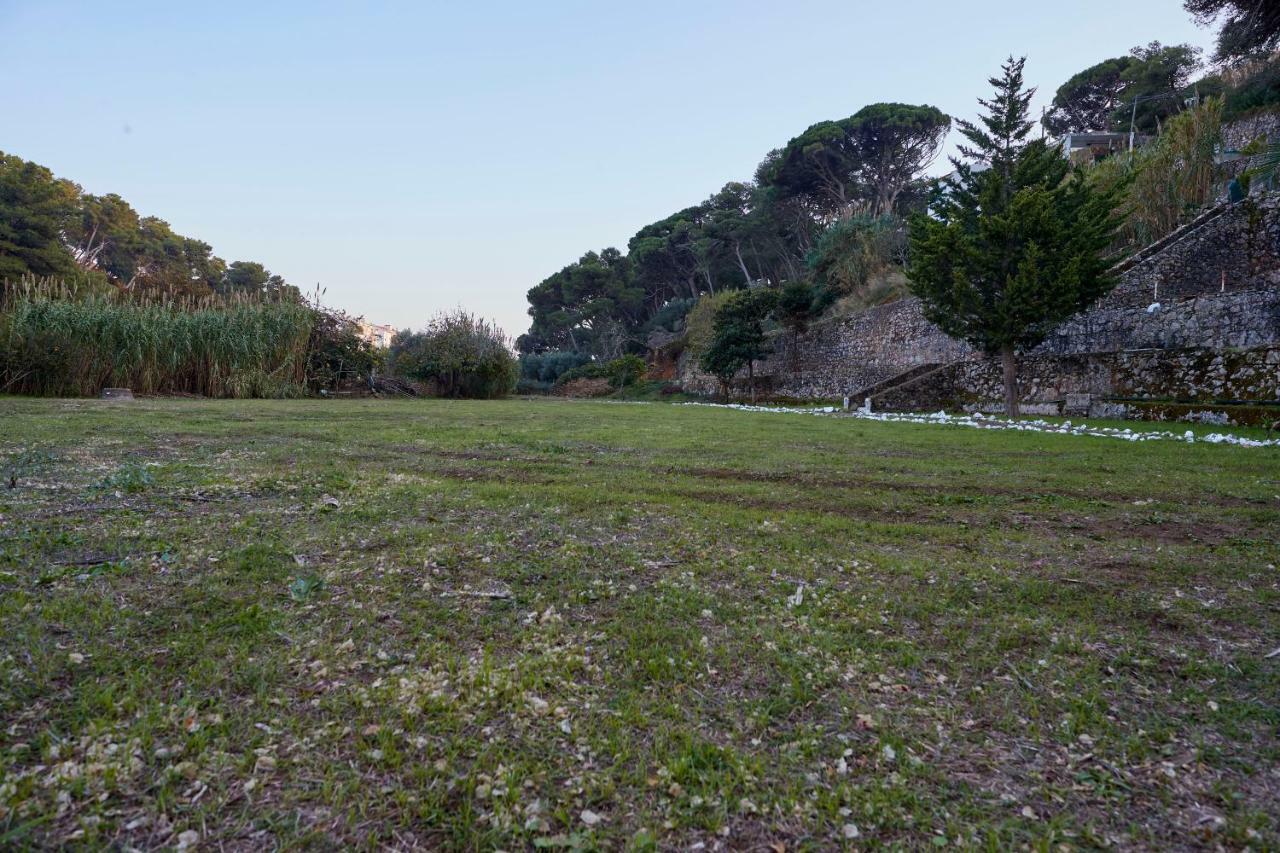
1194 318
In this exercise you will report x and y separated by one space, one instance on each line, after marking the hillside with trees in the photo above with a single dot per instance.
822 224
839 188
50 227
93 294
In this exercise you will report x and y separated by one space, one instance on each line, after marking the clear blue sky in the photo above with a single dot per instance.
416 156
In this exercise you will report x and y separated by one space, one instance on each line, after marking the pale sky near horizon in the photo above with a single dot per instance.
412 157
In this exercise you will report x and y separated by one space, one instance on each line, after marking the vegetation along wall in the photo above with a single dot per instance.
1212 287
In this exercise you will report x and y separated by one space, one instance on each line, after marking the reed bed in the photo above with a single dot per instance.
58 339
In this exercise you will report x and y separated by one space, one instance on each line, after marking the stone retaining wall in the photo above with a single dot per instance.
1048 382
844 354
1244 319
1217 288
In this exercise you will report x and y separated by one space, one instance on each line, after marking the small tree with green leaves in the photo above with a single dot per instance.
626 370
794 310
738 339
1007 253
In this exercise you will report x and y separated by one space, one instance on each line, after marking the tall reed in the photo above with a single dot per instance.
59 340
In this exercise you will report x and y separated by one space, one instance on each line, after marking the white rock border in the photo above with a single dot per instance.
977 421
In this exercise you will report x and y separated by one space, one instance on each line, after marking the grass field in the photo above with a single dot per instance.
556 624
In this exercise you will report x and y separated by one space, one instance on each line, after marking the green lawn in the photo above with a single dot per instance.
507 624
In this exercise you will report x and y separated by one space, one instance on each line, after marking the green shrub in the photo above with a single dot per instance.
460 354
592 370
671 316
699 323
626 370
795 307
853 250
532 386
546 367
336 352
620 372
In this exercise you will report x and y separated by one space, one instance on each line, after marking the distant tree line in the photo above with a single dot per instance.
50 227
1145 88
824 190
91 292
824 214
1011 244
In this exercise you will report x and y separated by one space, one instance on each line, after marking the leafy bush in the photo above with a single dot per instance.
532 386
795 306
852 250
699 324
546 367
620 372
460 354
671 316
591 370
337 353
626 370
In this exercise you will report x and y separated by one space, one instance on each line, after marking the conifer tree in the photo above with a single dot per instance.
1014 242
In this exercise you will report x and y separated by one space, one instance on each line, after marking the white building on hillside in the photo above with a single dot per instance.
377 335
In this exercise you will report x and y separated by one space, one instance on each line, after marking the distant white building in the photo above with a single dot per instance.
1093 145
1081 148
376 335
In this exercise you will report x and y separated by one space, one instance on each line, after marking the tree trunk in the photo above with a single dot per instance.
786 259
751 379
746 274
1009 361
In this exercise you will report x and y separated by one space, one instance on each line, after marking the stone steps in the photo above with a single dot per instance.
904 380
1174 236
877 388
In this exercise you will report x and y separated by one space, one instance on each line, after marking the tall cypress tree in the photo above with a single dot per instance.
1015 242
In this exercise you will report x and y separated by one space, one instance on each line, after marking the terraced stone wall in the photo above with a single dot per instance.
1217 288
